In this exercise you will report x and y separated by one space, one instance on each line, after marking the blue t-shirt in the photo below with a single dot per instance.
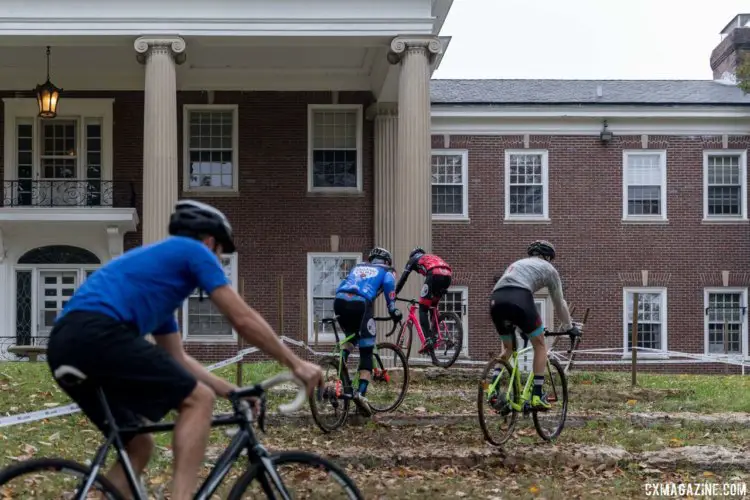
367 281
145 286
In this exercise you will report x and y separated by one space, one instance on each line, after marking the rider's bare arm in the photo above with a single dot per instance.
561 306
172 343
251 326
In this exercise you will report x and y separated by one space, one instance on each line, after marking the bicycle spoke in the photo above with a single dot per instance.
496 417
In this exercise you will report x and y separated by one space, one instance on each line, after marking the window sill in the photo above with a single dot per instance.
642 355
718 220
209 340
201 193
634 220
450 220
538 220
343 193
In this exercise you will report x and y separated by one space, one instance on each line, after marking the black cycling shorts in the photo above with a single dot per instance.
435 286
355 317
140 380
515 305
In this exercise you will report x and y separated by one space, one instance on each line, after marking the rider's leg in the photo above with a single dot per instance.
189 440
139 450
540 367
365 367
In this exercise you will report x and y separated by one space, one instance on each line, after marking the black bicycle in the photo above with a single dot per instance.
263 474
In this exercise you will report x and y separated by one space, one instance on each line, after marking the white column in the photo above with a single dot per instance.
413 203
385 116
159 55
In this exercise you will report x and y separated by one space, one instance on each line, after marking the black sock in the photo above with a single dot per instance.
538 383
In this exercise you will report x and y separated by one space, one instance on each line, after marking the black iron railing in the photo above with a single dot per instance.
67 193
20 340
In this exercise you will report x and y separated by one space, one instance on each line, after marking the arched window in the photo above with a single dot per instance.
59 254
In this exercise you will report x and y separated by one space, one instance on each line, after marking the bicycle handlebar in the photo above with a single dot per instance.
410 301
388 318
258 390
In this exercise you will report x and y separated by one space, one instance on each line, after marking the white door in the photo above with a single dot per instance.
55 289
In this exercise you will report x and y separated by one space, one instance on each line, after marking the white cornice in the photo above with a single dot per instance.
587 111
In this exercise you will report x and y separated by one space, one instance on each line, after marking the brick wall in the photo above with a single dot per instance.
728 54
597 254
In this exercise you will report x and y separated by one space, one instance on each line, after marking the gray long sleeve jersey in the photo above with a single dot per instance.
534 273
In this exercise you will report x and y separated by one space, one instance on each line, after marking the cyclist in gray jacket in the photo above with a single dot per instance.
513 301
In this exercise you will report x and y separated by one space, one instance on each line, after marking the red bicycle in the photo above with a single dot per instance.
448 335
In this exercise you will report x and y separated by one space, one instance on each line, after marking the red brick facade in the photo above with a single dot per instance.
277 222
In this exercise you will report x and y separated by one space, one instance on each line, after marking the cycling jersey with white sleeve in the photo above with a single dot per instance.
533 274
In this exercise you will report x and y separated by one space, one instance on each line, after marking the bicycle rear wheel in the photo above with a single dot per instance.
496 417
447 350
329 409
301 474
27 480
390 378
549 424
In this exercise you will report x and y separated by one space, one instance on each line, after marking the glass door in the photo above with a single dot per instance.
55 289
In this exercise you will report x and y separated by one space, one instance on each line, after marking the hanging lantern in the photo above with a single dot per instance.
47 96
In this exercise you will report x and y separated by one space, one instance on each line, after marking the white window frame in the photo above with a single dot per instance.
663 201
323 338
743 332
185 324
626 318
209 190
81 110
464 291
544 217
311 109
742 153
464 153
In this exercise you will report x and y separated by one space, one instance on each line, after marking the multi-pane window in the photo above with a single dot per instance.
455 300
201 319
526 185
724 185
652 314
725 315
449 184
211 148
335 143
325 271
645 185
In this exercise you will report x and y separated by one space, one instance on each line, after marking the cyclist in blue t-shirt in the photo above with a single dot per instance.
101 332
353 305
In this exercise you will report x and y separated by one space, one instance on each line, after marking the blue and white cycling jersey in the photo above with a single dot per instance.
366 281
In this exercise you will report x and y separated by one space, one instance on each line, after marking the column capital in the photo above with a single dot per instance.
381 109
430 46
173 45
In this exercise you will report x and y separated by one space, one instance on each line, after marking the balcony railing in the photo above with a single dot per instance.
68 193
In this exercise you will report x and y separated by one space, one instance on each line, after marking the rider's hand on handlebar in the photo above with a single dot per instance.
396 315
574 331
310 374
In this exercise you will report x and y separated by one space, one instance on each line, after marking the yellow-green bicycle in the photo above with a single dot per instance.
502 396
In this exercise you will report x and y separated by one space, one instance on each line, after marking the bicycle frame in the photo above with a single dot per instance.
245 439
515 376
413 318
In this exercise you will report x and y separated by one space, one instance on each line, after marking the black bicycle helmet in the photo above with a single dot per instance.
543 248
380 253
193 218
416 251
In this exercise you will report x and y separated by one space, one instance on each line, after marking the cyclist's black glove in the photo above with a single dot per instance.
574 331
396 315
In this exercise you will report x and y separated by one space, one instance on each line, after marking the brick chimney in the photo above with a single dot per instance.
734 46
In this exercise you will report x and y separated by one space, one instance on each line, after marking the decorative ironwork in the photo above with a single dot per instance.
59 254
6 342
23 308
59 193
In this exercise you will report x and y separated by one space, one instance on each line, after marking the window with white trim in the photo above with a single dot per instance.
334 148
210 148
526 185
325 271
725 185
725 329
450 188
60 162
652 320
456 300
644 185
201 319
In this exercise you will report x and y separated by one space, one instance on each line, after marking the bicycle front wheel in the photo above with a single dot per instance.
549 424
390 378
297 475
496 416
52 479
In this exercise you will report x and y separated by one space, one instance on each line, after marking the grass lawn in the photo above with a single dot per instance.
28 386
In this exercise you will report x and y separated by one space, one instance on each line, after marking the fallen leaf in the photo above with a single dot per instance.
534 489
632 402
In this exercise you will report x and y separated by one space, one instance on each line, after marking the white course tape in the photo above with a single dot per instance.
33 416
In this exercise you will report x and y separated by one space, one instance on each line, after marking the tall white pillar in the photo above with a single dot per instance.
413 223
160 184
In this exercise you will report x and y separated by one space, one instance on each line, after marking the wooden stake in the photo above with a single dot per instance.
281 304
633 350
241 342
